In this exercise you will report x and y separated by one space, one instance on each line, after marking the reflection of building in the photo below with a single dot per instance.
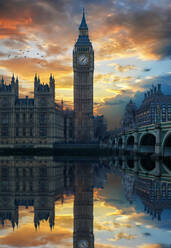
128 182
83 66
27 121
83 207
155 108
155 195
41 181
30 182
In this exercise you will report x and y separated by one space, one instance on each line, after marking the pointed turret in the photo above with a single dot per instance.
50 78
83 38
35 82
16 89
53 79
13 79
2 80
62 104
38 80
83 25
17 80
35 78
83 28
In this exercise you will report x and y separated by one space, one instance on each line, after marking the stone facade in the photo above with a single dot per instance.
100 127
155 109
83 66
30 122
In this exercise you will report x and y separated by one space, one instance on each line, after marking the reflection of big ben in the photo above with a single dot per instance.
83 207
83 66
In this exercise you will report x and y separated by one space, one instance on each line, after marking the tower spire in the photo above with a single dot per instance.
83 25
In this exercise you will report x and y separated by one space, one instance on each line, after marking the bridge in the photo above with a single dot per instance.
142 166
150 139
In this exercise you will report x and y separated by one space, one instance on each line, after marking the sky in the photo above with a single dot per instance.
131 41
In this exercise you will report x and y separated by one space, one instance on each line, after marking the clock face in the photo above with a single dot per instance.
83 59
83 244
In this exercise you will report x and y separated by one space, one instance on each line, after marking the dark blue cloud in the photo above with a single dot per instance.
147 69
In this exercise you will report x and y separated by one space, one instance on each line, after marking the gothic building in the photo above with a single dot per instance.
155 108
40 122
83 66
30 122
129 115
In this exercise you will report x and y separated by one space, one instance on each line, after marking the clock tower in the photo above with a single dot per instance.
83 66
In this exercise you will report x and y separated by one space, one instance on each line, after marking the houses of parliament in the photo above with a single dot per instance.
39 121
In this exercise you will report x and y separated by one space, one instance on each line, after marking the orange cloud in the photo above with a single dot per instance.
106 246
124 68
122 235
118 225
21 237
150 246
26 67
116 212
12 24
102 227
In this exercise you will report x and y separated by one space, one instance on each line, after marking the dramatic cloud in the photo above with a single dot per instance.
122 235
142 29
131 39
21 238
124 68
106 246
147 69
153 246
102 227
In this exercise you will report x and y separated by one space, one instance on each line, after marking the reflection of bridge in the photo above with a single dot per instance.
153 139
140 180
142 165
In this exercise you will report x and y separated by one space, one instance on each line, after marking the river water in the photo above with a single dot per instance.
101 202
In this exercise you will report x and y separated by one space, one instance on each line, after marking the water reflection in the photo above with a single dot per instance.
42 182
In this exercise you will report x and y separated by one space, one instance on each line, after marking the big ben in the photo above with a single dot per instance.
83 66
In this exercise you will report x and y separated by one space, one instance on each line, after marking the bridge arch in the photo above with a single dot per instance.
147 143
120 142
130 163
167 164
166 144
147 164
130 140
